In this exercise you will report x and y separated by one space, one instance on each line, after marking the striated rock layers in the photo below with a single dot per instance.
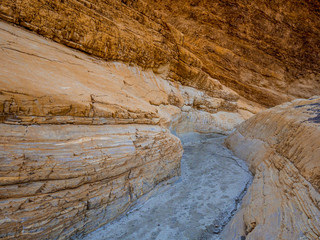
267 51
45 83
282 148
81 139
57 180
79 142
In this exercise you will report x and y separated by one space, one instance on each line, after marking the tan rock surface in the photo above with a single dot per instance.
60 180
83 90
267 51
81 139
64 167
113 30
282 148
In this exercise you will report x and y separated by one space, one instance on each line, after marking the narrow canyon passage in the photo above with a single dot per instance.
102 103
196 206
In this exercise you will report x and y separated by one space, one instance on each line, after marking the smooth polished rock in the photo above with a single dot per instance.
282 148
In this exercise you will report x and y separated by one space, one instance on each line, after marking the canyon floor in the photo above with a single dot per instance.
195 206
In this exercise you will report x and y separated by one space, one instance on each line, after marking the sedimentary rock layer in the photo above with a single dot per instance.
282 148
57 180
81 139
267 51
112 30
45 83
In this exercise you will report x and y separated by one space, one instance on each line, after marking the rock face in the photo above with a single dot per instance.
75 150
267 51
282 148
81 139
80 89
113 30
57 180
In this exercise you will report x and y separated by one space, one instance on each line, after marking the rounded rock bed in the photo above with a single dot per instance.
196 206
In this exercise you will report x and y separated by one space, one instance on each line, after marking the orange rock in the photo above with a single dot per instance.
268 52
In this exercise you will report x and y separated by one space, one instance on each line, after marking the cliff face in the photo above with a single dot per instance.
57 180
267 51
81 139
282 148
113 30
46 83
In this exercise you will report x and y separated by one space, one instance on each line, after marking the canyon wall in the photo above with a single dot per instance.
85 126
115 31
81 138
58 181
267 51
282 148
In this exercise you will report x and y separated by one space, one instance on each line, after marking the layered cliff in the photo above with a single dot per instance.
57 180
85 133
81 138
267 51
113 30
282 148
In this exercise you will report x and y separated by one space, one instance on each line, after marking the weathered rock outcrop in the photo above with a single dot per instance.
113 30
60 180
282 148
81 139
267 51
45 83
